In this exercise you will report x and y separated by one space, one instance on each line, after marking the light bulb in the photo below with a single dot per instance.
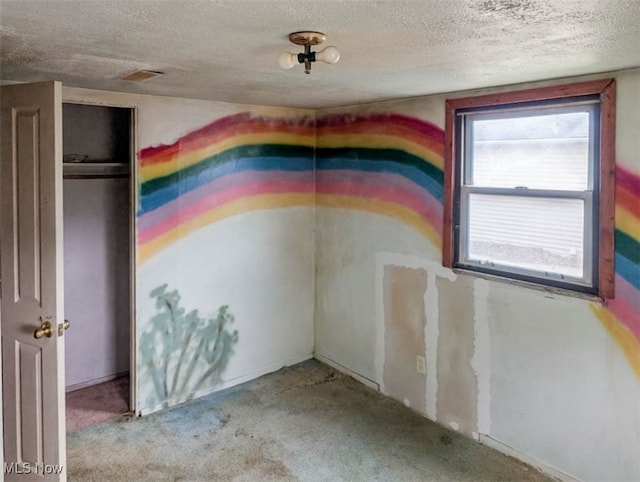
329 55
288 60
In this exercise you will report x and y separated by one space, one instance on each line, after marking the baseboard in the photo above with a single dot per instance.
229 383
95 381
341 368
527 459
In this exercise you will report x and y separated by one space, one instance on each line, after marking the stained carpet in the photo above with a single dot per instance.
305 423
97 403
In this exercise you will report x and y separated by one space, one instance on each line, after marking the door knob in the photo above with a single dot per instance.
62 327
44 330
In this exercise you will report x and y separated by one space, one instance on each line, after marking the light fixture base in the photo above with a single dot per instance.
306 37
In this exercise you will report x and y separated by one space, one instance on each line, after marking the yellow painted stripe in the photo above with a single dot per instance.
189 158
384 208
627 222
381 142
621 334
273 201
251 203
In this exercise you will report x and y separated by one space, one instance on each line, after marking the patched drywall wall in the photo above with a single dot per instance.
554 380
404 327
457 382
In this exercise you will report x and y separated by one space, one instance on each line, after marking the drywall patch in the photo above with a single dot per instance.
457 382
481 360
405 322
433 269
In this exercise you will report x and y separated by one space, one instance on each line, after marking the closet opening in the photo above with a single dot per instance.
98 153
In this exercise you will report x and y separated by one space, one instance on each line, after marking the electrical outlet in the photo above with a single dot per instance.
420 364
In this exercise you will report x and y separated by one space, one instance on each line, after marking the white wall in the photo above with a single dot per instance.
260 265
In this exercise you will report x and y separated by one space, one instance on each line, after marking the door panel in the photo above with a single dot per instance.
32 287
26 219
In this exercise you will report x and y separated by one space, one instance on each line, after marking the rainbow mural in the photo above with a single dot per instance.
244 162
235 164
387 164
621 315
384 163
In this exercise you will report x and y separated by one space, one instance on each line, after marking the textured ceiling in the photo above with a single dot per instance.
228 50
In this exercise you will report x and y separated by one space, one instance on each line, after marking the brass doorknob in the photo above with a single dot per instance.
44 330
66 324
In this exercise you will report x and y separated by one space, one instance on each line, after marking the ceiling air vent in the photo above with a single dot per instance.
141 75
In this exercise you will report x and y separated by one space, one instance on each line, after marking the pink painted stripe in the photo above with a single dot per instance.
216 199
432 214
233 180
627 292
384 186
381 179
626 314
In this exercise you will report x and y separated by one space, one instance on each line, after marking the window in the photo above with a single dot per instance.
529 181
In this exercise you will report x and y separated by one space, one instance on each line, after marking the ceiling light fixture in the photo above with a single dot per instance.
329 55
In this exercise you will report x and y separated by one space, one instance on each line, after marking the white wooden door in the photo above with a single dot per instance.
32 282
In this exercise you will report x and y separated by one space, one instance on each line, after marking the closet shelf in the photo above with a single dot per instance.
82 170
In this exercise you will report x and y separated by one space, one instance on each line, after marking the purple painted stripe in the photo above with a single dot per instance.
230 181
381 179
627 292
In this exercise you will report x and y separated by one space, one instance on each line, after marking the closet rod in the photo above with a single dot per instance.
95 176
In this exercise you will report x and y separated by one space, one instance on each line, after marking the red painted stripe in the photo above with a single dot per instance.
413 129
398 131
223 128
626 198
628 180
425 128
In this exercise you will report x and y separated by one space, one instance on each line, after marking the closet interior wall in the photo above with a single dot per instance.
96 187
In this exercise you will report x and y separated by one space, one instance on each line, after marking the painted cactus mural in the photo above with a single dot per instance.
180 352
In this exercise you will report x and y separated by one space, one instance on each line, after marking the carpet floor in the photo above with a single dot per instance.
97 403
306 422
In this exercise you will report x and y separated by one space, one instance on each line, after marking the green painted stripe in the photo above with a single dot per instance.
245 151
627 247
372 154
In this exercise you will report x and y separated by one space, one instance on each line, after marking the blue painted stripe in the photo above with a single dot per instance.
410 172
628 270
186 183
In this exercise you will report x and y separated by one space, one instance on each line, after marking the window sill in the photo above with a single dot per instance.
550 290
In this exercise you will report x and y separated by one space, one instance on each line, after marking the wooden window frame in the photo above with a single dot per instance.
606 90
